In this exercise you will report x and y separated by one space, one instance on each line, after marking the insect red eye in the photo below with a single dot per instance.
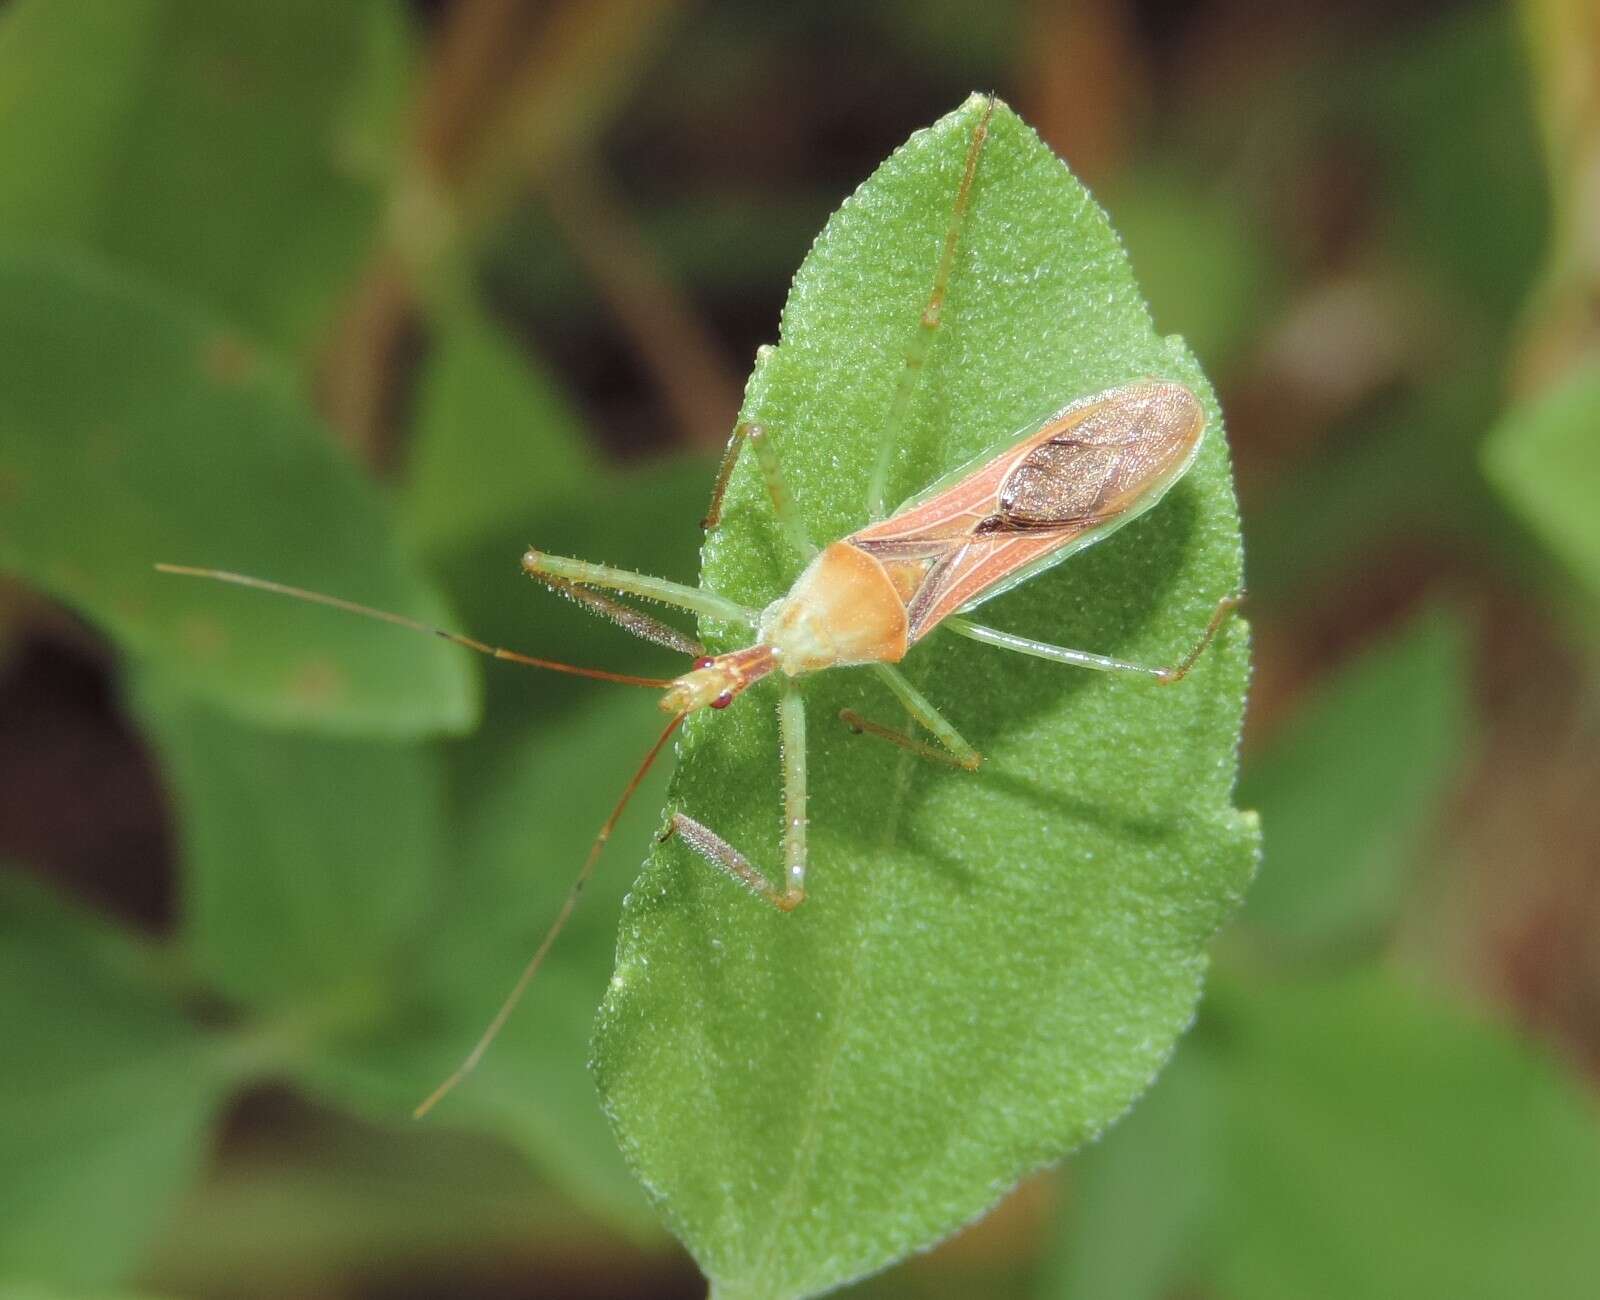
704 661
722 701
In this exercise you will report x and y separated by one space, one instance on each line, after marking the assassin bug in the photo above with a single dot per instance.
866 599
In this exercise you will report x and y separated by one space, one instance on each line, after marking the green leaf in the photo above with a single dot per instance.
223 149
991 967
1465 191
325 1197
1205 265
134 432
523 833
69 77
1383 1144
1343 1137
530 789
1545 460
496 443
31 1291
1342 814
646 518
1141 1203
306 861
106 1100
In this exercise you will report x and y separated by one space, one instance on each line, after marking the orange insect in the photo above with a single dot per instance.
865 600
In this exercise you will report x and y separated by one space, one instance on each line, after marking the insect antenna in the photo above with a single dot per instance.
400 620
568 905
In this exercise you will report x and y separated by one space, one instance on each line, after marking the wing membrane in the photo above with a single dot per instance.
1078 476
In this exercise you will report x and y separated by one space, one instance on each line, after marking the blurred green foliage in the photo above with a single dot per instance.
114 1094
1342 1135
1337 1131
137 433
1342 813
1545 457
167 137
473 471
225 227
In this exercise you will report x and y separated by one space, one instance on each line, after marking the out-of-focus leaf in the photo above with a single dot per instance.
1462 173
530 789
306 860
1396 473
524 831
496 444
320 1195
1141 1203
224 149
131 433
1544 457
1357 1141
370 115
963 42
105 1101
1346 790
69 76
991 967
31 1291
1463 214
1206 269
1382 1144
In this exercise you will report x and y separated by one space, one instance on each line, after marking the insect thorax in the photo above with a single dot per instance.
842 610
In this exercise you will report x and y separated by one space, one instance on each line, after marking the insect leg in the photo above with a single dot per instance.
928 325
719 853
792 740
1102 663
866 727
626 616
783 505
538 565
955 748
719 487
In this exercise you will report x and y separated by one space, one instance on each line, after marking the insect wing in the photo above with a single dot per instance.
1079 476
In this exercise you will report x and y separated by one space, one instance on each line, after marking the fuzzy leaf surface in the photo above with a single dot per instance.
991 967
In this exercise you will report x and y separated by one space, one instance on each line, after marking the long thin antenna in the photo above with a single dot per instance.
916 354
400 620
532 968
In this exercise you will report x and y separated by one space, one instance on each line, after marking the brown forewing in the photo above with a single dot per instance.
1078 472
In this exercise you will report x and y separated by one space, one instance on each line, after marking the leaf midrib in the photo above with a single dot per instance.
839 1024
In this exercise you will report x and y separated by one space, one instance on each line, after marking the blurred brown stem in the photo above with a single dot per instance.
1083 82
509 87
675 346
